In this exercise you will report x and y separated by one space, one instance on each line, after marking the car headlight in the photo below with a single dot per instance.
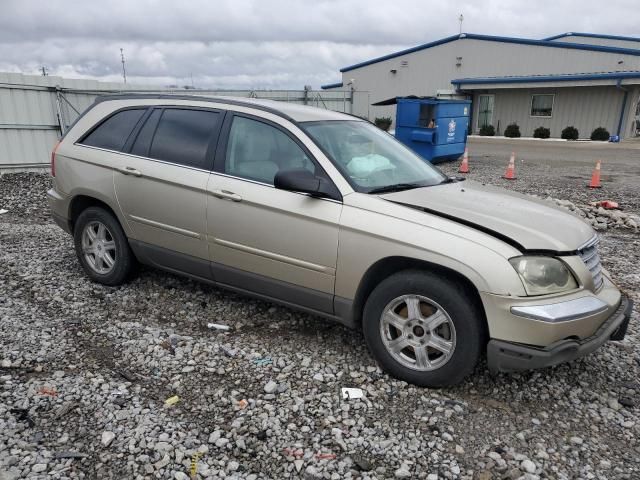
543 275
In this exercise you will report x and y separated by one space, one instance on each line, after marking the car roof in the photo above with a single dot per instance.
291 111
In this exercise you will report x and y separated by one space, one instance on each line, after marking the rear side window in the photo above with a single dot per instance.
143 141
112 134
183 136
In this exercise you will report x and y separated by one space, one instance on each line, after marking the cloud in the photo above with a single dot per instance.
261 44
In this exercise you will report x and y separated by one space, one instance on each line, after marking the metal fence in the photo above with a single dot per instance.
36 110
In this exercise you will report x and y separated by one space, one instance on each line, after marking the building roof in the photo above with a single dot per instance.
569 77
331 85
492 38
592 35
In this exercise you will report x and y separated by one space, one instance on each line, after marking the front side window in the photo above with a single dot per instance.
541 105
372 160
183 136
113 133
257 151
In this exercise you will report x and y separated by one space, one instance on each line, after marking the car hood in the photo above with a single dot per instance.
530 223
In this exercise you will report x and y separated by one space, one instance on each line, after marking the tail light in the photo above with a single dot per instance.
53 159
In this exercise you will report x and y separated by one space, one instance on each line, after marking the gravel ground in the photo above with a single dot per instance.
86 369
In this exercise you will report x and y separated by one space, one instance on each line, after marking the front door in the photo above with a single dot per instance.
485 110
272 242
161 186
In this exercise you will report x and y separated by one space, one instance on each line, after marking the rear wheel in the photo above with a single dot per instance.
102 247
423 328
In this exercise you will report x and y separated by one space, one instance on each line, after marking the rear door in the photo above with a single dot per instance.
161 186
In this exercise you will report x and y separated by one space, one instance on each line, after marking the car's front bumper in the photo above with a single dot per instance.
505 356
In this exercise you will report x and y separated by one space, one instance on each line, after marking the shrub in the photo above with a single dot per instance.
541 132
570 133
512 131
383 122
487 131
600 133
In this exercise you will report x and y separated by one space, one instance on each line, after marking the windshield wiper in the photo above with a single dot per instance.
452 180
397 187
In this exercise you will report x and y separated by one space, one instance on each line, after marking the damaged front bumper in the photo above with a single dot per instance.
504 356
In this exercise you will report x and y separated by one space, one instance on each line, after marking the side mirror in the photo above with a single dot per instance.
302 180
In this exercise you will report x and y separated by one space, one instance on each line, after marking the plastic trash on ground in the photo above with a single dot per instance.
352 393
172 400
217 326
606 204
3 211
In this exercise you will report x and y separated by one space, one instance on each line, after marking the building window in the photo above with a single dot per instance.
542 105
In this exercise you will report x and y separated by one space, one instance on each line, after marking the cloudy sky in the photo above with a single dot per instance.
265 43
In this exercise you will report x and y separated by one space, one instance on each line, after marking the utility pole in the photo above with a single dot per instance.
460 19
44 71
124 73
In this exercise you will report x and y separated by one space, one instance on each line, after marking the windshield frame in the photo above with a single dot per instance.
355 186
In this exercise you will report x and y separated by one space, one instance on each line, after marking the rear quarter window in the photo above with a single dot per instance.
113 133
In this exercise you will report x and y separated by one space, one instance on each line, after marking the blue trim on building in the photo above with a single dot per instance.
491 38
331 85
592 35
547 78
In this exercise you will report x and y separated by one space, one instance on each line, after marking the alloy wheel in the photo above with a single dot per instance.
99 247
417 332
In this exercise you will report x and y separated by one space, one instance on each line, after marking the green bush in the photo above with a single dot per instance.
383 122
512 131
541 132
570 133
600 133
487 131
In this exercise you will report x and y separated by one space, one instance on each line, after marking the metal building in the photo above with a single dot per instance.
573 79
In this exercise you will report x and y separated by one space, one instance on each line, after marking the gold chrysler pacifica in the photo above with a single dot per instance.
326 213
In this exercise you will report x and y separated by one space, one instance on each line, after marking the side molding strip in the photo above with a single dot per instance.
164 226
276 256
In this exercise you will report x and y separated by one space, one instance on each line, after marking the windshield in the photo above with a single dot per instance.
372 160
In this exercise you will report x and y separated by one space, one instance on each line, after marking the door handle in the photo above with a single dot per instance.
130 171
227 195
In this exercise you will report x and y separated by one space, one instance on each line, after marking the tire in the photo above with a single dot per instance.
413 346
106 259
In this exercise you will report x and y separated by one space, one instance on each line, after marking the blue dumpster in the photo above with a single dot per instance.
434 128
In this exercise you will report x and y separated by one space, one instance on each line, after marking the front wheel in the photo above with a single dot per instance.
423 328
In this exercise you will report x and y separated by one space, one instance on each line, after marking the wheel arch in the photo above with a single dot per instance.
388 266
81 202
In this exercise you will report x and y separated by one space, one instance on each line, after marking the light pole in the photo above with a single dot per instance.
124 73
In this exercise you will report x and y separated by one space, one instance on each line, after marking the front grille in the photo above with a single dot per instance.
589 255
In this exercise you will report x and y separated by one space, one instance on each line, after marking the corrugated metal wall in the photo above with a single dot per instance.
34 110
585 108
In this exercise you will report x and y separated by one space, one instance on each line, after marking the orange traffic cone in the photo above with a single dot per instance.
510 174
464 166
595 177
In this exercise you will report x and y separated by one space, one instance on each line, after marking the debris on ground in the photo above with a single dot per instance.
172 400
263 361
352 393
47 391
606 204
217 326
3 211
